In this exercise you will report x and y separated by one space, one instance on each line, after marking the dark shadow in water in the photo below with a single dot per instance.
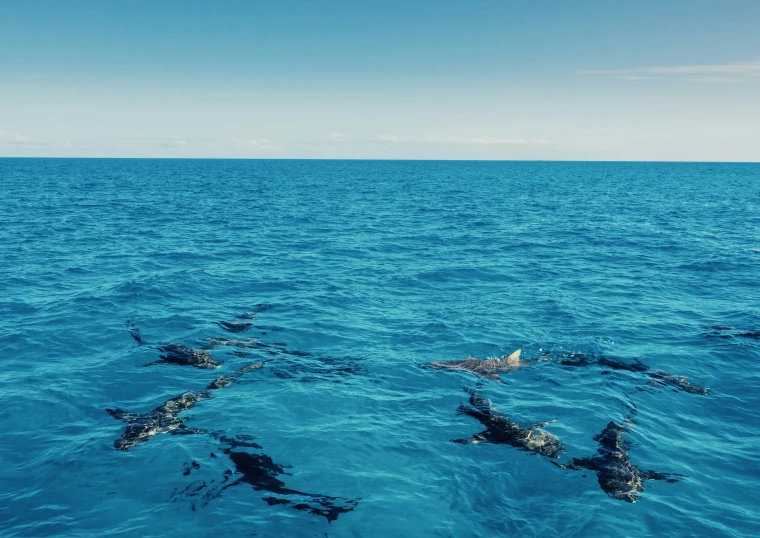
657 377
617 476
261 473
502 431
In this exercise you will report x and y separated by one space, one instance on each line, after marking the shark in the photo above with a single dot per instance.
163 419
502 431
185 356
489 368
176 353
166 417
617 476
728 333
234 326
247 317
657 377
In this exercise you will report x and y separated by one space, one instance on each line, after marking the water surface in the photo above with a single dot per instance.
363 271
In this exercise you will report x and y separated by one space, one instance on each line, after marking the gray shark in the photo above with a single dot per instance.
617 476
489 368
165 418
502 431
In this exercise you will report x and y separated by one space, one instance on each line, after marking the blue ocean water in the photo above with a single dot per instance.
350 275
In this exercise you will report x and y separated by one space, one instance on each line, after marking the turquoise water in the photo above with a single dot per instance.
350 275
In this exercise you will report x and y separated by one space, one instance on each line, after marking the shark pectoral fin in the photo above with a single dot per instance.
475 439
655 475
464 410
184 430
539 425
120 414
573 464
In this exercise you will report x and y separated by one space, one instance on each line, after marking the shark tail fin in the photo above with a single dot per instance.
134 332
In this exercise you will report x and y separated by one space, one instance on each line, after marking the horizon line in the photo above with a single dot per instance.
378 159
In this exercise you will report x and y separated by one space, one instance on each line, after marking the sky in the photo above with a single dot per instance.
539 80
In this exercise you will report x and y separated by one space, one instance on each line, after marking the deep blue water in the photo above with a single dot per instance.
361 272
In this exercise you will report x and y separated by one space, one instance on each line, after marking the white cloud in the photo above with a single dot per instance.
728 72
491 140
11 137
258 145
338 137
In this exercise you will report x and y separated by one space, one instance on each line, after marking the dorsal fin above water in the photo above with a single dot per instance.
514 357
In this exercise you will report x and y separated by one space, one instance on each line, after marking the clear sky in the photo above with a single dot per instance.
439 79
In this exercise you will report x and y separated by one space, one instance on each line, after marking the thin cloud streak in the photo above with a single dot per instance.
491 140
729 72
258 145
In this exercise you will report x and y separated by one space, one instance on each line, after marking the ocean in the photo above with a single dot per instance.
264 348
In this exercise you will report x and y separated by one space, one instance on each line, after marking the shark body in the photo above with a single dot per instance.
657 377
166 417
489 368
617 476
502 431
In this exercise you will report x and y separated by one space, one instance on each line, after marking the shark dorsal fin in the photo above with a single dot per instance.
514 358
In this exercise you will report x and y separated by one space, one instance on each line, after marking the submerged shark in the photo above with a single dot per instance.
185 356
176 353
502 431
246 343
259 471
489 368
617 476
165 418
657 377
234 326
728 333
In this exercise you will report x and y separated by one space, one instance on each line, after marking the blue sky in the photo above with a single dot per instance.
591 80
